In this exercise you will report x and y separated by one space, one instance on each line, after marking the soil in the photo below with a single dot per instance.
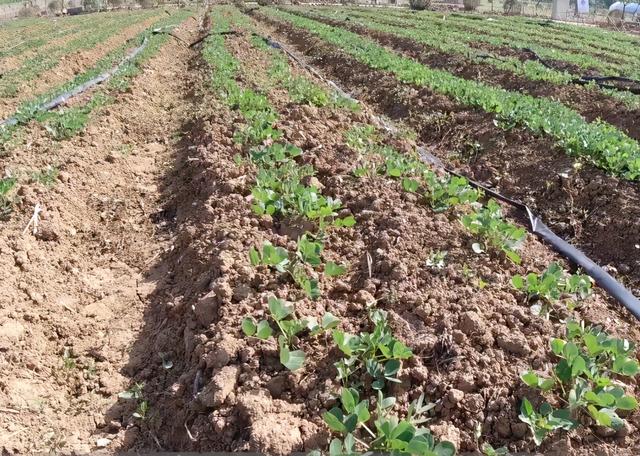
139 274
228 393
581 203
591 104
71 65
74 294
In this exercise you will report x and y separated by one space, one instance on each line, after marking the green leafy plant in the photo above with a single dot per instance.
589 359
390 433
378 354
47 177
554 284
436 259
282 314
546 421
601 143
489 450
487 222
7 201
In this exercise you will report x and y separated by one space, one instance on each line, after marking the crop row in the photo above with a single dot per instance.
65 123
370 362
442 36
94 33
597 42
486 32
602 143
38 37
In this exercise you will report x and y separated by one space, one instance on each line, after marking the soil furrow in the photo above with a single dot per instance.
74 294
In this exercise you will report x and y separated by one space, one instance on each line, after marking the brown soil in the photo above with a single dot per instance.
77 285
140 268
227 392
591 104
70 65
588 208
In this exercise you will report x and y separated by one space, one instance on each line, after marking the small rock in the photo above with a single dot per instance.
455 395
103 442
222 289
603 431
364 297
449 432
21 259
220 386
514 342
12 331
341 286
206 309
470 323
276 386
519 430
625 430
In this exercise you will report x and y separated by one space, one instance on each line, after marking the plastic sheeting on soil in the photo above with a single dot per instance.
537 226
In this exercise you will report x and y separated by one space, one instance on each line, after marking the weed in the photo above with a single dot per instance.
141 410
68 359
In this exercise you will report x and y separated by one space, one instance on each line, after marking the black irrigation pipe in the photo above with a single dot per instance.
64 97
537 226
599 80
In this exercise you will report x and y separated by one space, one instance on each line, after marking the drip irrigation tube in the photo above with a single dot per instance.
64 97
601 81
537 226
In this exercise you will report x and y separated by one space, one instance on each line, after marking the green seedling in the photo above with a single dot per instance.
275 257
278 258
489 225
436 259
47 177
361 138
446 192
390 434
282 314
488 450
7 201
554 284
589 359
377 354
275 154
546 421
333 269
303 91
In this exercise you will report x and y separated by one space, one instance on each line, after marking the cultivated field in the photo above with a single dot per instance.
257 234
